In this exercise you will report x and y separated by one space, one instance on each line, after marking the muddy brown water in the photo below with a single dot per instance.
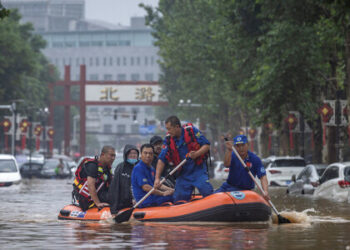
28 219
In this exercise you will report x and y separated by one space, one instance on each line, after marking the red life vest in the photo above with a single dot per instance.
103 178
173 156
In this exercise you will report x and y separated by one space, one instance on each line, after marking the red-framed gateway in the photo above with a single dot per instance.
82 103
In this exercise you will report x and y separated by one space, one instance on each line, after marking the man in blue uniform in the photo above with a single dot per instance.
238 177
182 141
142 179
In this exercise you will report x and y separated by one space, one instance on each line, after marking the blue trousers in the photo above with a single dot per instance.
225 187
184 186
156 200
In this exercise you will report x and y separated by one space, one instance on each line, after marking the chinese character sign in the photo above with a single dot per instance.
123 93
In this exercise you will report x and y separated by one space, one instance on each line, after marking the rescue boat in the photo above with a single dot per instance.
236 206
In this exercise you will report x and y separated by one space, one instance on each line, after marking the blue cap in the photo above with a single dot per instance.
240 139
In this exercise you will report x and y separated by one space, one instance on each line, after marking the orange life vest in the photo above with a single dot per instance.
104 176
173 156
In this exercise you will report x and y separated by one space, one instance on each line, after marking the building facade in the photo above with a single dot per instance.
110 53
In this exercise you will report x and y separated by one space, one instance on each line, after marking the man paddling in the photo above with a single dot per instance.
238 178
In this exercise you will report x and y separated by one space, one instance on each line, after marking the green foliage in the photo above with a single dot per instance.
249 62
24 71
3 12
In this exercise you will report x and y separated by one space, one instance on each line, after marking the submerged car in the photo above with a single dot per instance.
31 169
49 169
335 182
9 171
280 169
307 180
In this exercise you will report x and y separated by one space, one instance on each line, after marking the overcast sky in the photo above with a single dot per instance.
115 11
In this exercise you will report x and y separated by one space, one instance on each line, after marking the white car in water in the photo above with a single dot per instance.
335 182
220 171
9 171
280 169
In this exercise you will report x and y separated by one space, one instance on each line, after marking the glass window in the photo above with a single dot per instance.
7 166
91 61
104 61
121 128
107 128
110 61
152 60
121 77
134 128
290 163
131 61
149 77
138 61
97 61
93 77
83 60
329 174
124 61
347 171
107 77
146 60
118 61
135 77
77 61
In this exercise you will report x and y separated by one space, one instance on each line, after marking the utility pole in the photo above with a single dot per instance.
337 124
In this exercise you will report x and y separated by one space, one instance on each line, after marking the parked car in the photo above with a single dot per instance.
220 171
49 169
9 171
307 180
280 169
335 182
31 169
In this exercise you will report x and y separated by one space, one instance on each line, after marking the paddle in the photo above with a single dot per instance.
281 219
125 216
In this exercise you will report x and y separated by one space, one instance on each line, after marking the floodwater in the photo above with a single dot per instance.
28 219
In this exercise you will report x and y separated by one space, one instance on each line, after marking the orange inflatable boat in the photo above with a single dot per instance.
237 206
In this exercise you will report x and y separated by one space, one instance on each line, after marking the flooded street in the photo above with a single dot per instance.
29 212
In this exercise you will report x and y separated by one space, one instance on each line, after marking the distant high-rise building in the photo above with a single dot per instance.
110 53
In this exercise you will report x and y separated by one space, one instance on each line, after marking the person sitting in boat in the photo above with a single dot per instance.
92 180
238 177
180 142
120 190
157 142
142 179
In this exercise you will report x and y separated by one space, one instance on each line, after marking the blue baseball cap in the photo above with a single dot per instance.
240 139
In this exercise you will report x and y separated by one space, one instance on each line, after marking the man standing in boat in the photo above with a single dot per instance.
92 180
142 179
180 142
238 177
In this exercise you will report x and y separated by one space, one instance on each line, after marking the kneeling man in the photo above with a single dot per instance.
142 180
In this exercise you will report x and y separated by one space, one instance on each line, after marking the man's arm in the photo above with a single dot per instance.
159 171
201 151
92 190
148 188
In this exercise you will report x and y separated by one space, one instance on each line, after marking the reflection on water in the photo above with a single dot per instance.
28 219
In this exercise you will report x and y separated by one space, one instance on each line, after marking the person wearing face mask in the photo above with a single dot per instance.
120 191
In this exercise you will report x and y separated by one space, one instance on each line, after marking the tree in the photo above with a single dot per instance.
3 12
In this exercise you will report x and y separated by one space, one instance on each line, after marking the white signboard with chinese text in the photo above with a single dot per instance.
122 93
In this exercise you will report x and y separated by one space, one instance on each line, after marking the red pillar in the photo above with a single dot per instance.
82 105
67 110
